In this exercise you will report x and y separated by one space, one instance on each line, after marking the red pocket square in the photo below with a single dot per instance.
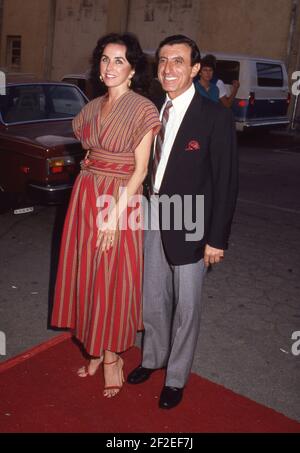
193 145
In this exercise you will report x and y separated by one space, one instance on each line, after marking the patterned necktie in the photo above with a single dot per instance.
159 141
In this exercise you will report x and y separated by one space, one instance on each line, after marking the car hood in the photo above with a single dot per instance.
46 135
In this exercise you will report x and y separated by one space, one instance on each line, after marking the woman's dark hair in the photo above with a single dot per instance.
134 55
209 61
181 39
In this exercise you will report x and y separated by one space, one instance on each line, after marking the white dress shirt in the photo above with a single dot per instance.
222 88
176 114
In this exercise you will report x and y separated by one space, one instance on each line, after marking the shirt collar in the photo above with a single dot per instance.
181 102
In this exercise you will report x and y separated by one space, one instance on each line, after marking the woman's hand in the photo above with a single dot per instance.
107 233
108 228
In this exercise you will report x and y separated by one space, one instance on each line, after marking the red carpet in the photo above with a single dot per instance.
40 392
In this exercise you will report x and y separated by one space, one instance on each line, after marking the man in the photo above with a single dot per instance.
208 72
204 84
195 154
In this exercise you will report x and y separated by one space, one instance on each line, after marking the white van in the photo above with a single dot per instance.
263 96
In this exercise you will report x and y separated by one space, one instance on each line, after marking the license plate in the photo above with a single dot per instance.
24 210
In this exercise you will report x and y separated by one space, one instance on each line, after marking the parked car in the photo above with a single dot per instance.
263 96
39 155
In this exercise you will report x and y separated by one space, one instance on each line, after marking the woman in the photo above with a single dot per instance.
98 287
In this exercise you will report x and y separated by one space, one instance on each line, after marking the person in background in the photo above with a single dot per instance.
98 286
226 98
204 84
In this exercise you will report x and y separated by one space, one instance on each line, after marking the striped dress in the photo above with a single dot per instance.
98 294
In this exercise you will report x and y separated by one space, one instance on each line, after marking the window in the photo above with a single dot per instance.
228 70
38 102
13 52
66 101
269 75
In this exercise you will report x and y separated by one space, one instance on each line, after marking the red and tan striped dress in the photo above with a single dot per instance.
98 294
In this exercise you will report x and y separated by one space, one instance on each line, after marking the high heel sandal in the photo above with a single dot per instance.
85 371
121 375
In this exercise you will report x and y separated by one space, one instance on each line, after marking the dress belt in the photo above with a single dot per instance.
113 157
119 165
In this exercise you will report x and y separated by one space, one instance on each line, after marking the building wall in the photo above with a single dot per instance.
153 20
246 26
31 23
293 50
254 27
269 28
1 22
58 36
78 26
294 65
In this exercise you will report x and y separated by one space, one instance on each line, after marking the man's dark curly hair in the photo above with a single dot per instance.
134 55
209 61
181 39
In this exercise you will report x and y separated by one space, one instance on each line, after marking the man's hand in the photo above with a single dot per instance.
235 87
212 255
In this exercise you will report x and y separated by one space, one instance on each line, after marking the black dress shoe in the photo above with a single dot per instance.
139 375
170 397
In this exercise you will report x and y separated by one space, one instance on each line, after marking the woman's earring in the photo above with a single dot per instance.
130 80
101 78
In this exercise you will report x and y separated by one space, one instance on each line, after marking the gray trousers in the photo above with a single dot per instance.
171 311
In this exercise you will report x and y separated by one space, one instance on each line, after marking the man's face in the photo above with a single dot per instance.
206 73
175 71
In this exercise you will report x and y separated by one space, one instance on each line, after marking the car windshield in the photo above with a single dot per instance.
38 102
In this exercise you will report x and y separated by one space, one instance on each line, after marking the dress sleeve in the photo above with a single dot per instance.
148 119
77 124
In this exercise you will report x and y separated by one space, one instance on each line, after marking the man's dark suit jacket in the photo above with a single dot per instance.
203 161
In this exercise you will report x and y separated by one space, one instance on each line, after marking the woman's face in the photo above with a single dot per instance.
115 69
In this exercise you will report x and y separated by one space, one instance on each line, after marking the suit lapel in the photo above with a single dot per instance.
193 115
